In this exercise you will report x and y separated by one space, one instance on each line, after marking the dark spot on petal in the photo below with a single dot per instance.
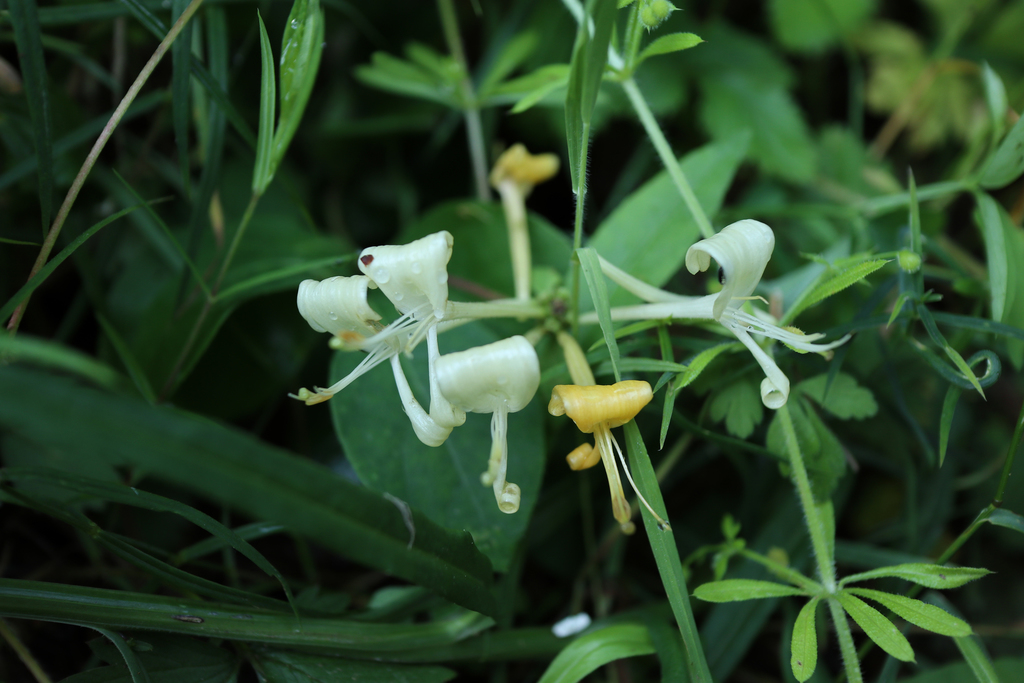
721 276
366 260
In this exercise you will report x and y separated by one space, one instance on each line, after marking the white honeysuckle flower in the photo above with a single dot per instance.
498 378
413 276
338 305
742 251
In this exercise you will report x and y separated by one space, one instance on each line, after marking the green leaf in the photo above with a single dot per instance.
589 652
1007 162
168 659
979 667
739 403
666 554
252 477
136 671
301 47
833 283
804 646
1006 518
845 398
649 233
814 25
877 627
927 575
995 97
586 70
513 53
918 613
699 362
181 63
135 497
125 610
591 266
980 664
946 421
279 666
996 253
263 171
24 18
442 483
732 590
51 265
898 306
673 42
396 75
964 368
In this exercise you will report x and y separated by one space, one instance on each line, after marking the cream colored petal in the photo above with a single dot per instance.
427 430
742 250
484 379
441 410
413 274
337 305
775 386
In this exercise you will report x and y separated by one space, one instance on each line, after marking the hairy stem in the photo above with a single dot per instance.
850 660
668 158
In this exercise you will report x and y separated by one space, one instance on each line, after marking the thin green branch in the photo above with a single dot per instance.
851 662
668 157
8 634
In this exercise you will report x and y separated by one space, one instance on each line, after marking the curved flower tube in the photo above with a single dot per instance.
596 410
498 378
742 251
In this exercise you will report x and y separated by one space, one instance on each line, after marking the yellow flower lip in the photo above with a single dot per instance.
609 405
523 168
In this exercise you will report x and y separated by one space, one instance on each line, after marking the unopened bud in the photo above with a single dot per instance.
910 262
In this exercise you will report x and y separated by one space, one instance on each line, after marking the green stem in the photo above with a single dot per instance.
471 111
668 158
577 232
815 524
97 148
850 661
23 653
634 33
1004 478
235 241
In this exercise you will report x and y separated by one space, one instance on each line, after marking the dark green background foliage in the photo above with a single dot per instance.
167 513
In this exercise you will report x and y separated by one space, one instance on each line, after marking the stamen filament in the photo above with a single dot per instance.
662 524
620 506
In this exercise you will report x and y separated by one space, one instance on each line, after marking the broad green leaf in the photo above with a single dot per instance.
997 256
649 233
124 610
845 398
442 483
263 171
591 267
731 590
233 468
834 283
24 17
814 25
927 575
666 554
1006 518
586 70
280 666
946 420
301 47
167 659
673 42
589 652
877 627
1007 162
739 403
804 646
918 613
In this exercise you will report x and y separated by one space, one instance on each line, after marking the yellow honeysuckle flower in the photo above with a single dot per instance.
597 410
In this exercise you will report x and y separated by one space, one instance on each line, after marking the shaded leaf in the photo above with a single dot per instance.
877 627
739 403
279 666
845 398
927 575
1007 162
167 659
731 590
595 649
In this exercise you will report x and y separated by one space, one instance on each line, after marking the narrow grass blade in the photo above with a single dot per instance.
24 17
666 555
946 421
181 63
591 266
135 668
262 172
52 264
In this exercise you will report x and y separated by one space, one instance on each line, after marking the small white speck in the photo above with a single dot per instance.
570 626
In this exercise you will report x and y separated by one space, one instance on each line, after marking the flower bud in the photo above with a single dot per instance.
910 262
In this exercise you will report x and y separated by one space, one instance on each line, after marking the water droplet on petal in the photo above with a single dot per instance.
399 296
381 274
332 315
